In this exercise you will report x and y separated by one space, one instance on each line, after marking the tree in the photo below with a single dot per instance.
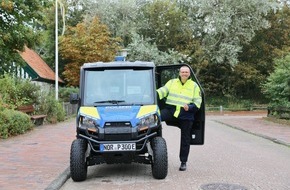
19 22
165 24
225 30
222 25
268 43
257 57
277 86
86 42
118 15
215 79
142 49
71 12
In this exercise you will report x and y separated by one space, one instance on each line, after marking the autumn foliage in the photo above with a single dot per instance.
86 43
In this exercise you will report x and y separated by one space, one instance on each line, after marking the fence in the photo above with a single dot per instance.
70 109
279 112
222 108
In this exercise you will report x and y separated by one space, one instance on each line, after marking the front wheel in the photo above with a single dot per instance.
78 165
159 159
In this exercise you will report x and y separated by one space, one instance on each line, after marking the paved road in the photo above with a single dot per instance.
256 124
35 159
40 158
229 157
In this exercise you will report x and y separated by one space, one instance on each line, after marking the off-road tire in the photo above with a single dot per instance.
78 165
159 163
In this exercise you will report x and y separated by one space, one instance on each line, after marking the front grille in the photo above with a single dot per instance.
118 131
118 137
118 124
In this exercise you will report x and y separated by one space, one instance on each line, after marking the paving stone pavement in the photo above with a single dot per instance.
39 159
33 160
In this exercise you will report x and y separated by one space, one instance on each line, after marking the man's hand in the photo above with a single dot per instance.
186 107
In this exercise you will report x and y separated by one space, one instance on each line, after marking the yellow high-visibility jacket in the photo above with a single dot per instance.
178 94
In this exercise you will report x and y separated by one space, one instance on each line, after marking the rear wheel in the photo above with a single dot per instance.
78 165
159 159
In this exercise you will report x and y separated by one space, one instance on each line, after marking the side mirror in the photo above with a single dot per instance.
74 98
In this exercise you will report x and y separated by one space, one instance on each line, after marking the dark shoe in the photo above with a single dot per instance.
182 166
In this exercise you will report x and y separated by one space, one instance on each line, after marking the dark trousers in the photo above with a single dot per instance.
185 127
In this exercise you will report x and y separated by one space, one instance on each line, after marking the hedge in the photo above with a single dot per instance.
13 122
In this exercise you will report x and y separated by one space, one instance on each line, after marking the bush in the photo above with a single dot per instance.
2 104
52 108
277 86
15 92
13 123
230 103
64 93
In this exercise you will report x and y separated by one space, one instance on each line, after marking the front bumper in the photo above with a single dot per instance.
140 143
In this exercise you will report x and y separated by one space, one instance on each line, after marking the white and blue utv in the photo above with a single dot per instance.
118 118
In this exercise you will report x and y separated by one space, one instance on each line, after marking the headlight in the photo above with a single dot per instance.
89 124
147 122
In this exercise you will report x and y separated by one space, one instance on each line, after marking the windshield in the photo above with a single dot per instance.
118 87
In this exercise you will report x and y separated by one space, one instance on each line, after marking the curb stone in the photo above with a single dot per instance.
60 180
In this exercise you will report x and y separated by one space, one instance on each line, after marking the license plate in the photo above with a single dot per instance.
118 147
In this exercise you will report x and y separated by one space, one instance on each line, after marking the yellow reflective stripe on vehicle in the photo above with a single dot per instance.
90 111
145 110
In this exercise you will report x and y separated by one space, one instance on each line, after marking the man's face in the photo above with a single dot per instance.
184 73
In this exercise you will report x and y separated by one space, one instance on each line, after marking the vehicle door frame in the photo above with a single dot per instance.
198 127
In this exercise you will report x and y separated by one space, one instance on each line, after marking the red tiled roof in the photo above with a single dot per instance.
38 65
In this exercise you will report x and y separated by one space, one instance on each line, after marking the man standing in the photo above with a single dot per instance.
183 99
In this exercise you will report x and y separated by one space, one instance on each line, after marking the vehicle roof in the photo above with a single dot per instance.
118 64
